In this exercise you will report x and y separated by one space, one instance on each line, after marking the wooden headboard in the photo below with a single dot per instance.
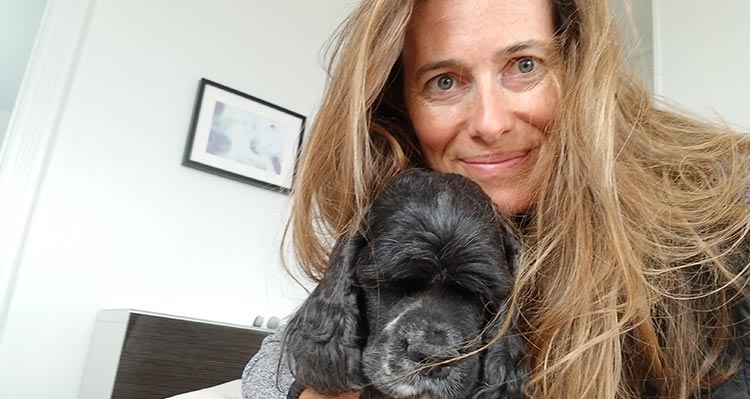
142 355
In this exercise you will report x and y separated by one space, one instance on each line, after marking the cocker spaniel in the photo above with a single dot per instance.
406 305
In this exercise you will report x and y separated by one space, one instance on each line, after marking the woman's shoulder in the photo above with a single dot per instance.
739 262
738 386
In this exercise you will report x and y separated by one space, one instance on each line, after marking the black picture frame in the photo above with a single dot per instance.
242 137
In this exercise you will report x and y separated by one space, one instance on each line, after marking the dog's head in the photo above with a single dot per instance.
405 300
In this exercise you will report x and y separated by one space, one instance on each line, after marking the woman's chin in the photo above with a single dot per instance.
510 202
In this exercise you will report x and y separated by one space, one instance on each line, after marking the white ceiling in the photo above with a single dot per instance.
19 22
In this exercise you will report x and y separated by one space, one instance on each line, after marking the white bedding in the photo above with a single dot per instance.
227 390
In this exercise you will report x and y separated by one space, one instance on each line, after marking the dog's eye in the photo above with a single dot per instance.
408 286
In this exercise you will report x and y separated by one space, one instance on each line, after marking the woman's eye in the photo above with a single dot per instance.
523 73
526 65
444 82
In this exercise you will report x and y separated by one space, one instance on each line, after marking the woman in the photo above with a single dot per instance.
635 219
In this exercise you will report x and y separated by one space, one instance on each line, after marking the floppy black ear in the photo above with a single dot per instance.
504 369
324 338
512 249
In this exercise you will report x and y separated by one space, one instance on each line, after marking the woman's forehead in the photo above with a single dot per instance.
450 29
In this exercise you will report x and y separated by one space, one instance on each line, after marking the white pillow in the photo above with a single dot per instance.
227 390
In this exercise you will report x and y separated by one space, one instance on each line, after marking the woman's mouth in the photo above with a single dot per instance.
495 163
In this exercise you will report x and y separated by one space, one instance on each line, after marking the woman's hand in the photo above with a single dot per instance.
311 394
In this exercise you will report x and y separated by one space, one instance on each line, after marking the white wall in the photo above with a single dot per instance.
635 19
119 223
702 58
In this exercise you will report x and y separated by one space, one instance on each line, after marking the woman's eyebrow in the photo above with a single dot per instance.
499 54
432 66
521 46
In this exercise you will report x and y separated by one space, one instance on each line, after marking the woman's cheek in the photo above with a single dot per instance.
436 127
437 119
543 105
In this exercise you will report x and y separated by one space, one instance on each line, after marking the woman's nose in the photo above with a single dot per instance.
492 114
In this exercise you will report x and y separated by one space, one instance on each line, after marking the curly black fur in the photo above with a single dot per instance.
417 288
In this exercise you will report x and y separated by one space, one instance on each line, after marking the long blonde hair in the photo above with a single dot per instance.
635 248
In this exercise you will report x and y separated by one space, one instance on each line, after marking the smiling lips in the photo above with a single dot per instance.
495 162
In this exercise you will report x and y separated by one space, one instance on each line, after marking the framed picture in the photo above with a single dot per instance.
241 137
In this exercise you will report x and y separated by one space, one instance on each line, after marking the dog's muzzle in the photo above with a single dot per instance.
418 352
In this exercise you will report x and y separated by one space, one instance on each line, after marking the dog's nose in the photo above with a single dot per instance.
420 353
428 355
436 371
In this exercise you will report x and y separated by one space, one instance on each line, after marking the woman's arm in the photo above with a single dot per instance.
310 394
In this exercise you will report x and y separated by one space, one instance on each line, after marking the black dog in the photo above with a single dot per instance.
405 304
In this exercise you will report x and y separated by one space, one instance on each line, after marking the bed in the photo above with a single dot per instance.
144 355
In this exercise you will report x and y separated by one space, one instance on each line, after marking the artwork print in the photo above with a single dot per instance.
241 137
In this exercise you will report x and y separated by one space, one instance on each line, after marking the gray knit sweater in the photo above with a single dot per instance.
265 375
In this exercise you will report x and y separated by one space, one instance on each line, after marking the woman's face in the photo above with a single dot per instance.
480 93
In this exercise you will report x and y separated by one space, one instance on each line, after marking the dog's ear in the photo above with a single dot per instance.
512 249
324 338
504 368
